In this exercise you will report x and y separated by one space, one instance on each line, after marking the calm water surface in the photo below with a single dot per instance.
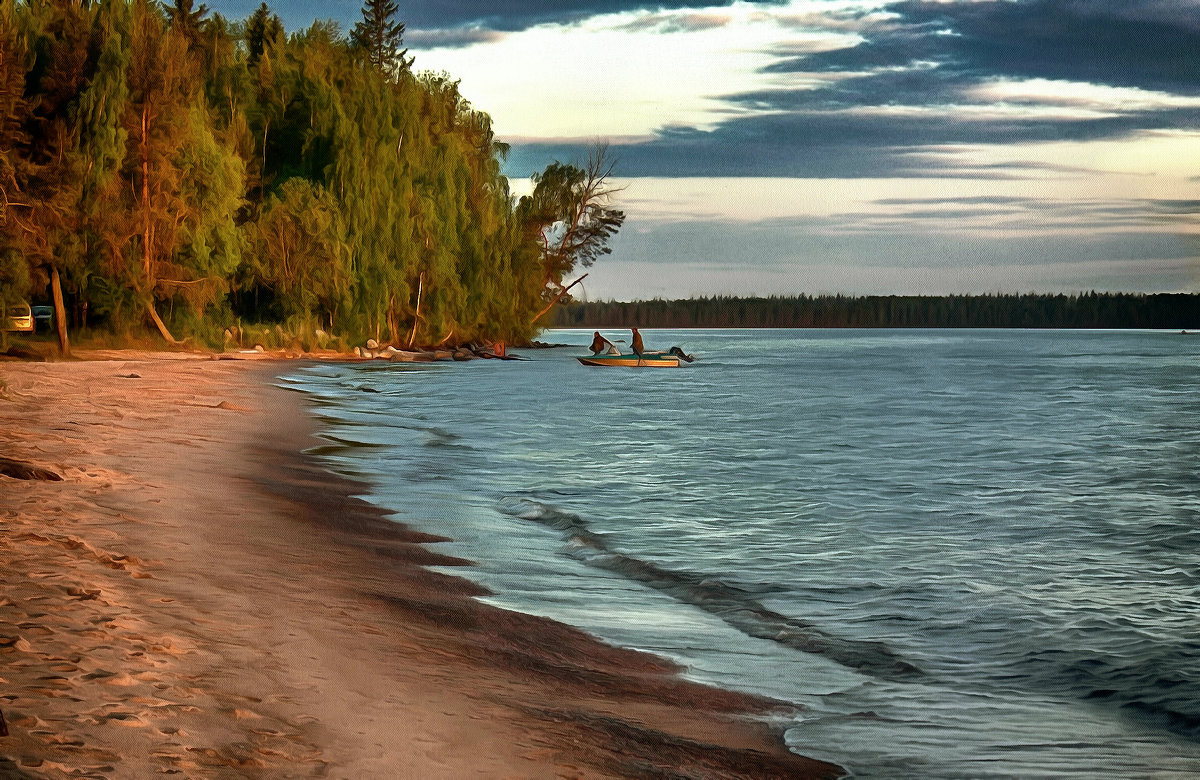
959 553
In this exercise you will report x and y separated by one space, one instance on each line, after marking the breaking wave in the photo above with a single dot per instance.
730 603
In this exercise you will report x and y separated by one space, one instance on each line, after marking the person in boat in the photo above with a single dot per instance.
638 347
601 344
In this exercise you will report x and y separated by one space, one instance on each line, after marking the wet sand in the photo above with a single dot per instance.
195 597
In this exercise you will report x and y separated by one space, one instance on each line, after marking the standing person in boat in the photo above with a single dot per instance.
601 344
638 347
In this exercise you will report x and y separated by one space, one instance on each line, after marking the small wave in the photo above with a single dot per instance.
730 603
342 443
1167 715
1151 684
437 437
441 433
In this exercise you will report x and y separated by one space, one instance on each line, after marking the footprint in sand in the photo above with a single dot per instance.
121 680
130 719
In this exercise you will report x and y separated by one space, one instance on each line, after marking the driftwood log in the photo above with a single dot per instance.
428 355
18 469
20 353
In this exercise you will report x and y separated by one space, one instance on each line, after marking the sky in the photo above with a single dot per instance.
780 147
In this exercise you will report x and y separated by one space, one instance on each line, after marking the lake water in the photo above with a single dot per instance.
961 554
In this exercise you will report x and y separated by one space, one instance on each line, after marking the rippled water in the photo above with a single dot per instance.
961 553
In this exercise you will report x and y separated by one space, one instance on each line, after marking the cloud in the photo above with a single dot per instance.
440 17
923 49
1179 207
451 38
721 257
1022 217
829 144
749 148
1074 94
515 15
678 23
1113 42
911 76
968 72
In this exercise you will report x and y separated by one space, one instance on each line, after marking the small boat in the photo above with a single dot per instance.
668 359
647 360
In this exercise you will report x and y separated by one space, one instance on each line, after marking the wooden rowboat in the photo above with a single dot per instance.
647 360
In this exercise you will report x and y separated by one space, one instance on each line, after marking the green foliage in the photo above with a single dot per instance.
42 220
192 175
119 306
14 279
300 251
209 245
14 111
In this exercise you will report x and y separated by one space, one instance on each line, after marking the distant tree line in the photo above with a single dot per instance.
164 170
1087 310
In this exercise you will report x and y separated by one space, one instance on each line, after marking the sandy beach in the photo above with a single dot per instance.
196 597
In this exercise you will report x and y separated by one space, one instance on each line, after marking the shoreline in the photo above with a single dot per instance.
198 595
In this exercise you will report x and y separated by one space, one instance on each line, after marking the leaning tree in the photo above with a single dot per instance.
571 217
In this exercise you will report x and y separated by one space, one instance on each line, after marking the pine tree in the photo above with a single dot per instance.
380 36
187 21
49 166
263 28
14 113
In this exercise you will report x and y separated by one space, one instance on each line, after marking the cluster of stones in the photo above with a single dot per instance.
374 351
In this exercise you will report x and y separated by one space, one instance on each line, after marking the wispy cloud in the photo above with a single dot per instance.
453 37
770 259
678 22
885 79
514 15
615 74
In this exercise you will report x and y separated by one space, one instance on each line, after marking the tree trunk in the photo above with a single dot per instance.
158 323
60 312
417 315
393 322
262 174
561 293
145 151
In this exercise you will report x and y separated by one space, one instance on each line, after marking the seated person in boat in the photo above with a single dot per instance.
601 344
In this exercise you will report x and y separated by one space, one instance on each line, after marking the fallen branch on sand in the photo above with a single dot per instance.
18 469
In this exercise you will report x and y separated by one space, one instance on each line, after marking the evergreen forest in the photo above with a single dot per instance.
1086 310
172 174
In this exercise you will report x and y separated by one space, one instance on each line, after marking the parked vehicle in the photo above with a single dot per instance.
19 318
43 317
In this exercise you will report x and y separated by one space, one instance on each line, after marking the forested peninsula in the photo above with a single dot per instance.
1085 310
169 173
